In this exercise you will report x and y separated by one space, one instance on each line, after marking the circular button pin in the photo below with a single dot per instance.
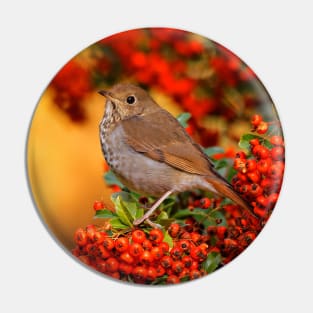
155 156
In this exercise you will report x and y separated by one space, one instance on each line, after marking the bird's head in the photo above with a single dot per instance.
128 100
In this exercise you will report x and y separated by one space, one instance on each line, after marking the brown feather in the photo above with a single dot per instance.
227 191
171 145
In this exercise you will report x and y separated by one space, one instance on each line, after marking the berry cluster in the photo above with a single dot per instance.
199 233
260 174
143 257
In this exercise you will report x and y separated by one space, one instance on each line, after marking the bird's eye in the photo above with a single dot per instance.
131 99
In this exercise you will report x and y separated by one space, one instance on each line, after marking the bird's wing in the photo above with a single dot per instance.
160 137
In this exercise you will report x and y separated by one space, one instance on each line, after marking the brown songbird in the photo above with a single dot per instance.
151 153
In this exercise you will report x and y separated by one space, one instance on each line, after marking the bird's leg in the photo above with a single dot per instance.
152 209
153 225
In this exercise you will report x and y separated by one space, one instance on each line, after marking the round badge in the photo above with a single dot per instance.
155 156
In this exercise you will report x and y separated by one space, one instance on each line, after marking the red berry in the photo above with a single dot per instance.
108 243
221 232
80 237
184 273
101 266
205 203
278 153
99 237
111 265
272 199
91 230
102 252
127 258
254 177
135 249
85 259
173 230
194 265
92 249
156 235
256 120
261 201
194 274
255 190
276 170
185 235
244 189
242 177
261 152
184 245
277 140
240 165
164 247
172 279
260 212
254 142
98 205
121 244
157 253
251 165
166 261
197 254
189 222
147 245
230 243
151 273
176 253
264 165
138 236
160 270
262 128
196 237
211 230
115 275
177 267
266 183
139 273
187 260
241 155
146 257
125 268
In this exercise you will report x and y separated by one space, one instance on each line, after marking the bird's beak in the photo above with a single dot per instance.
107 94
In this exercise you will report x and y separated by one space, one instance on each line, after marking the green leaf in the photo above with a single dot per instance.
183 118
166 222
162 216
213 150
116 224
111 179
160 280
128 203
104 214
212 262
219 164
139 213
122 212
168 239
231 173
244 142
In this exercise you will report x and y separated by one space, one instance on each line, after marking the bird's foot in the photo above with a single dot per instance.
147 220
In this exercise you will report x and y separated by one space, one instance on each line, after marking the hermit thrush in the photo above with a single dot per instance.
151 153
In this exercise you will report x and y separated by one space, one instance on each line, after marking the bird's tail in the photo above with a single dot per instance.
225 189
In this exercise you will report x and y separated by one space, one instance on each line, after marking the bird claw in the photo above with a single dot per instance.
148 221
